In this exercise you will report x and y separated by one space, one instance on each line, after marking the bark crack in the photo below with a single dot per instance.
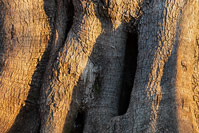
130 65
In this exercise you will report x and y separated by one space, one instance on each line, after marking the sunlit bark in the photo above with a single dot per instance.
24 37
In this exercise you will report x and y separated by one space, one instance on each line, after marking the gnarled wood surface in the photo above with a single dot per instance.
52 50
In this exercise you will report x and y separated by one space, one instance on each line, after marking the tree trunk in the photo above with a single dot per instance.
63 66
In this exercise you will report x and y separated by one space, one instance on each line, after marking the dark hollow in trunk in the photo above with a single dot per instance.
78 124
130 66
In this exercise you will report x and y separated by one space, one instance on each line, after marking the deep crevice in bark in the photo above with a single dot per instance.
70 8
130 65
62 25
78 124
2 35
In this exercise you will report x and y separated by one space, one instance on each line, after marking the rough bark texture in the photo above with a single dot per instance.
161 100
63 66
24 39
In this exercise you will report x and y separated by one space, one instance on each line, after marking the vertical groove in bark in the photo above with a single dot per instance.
130 65
78 124
61 16
2 31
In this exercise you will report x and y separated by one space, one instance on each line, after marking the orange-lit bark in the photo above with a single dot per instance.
24 37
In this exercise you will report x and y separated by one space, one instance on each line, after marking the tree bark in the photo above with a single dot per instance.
61 58
162 99
24 37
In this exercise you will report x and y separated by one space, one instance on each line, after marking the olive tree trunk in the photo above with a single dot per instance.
63 66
